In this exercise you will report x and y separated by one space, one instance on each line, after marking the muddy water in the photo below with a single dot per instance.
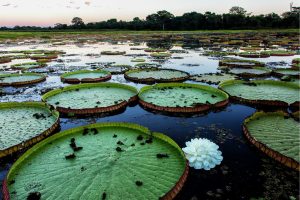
244 173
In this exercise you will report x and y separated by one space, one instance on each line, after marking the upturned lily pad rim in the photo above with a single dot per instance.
169 195
196 109
35 139
22 83
261 102
154 80
87 111
64 77
287 161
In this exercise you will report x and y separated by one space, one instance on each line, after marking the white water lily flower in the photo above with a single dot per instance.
202 153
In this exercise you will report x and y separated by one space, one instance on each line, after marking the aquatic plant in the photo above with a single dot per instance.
182 97
276 134
86 76
263 92
149 76
202 154
108 161
91 98
113 52
21 79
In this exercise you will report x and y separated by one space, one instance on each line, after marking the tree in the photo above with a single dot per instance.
236 10
77 22
160 19
60 26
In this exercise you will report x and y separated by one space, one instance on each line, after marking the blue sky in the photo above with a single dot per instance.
49 12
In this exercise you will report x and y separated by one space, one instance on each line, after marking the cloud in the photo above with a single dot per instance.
6 4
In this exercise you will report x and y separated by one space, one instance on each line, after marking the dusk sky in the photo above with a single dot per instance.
49 12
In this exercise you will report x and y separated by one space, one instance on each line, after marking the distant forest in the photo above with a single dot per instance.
236 18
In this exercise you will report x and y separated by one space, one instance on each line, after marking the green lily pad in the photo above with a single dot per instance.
116 69
21 79
183 97
279 53
86 76
22 124
240 63
156 75
100 161
161 55
29 65
262 90
275 131
138 60
213 78
255 71
90 97
113 52
289 72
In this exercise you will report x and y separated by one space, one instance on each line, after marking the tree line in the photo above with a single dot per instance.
236 18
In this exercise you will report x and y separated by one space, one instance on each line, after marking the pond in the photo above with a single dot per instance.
245 172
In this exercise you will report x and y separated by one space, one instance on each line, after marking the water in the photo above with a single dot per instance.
244 173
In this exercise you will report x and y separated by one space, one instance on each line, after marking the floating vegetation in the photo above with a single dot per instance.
138 60
90 98
279 53
150 76
24 124
161 55
21 79
28 65
251 54
240 63
250 72
182 97
116 69
86 76
211 78
146 65
286 72
276 134
158 50
263 92
98 167
112 53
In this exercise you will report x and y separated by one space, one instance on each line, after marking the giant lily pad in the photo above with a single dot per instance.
113 53
275 134
91 98
263 92
21 79
156 75
240 63
86 76
250 72
23 124
29 65
100 161
288 72
182 97
213 78
116 69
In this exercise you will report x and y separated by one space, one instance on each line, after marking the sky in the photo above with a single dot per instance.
49 12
